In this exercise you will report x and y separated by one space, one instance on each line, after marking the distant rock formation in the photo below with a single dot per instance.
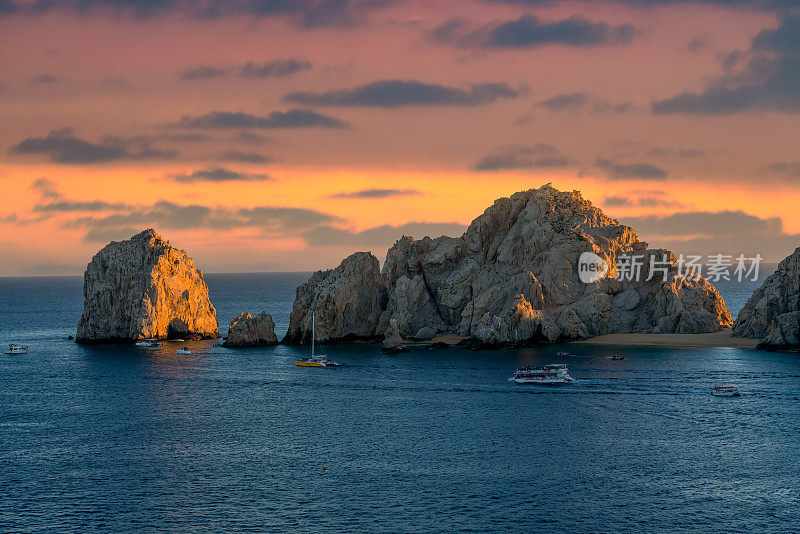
392 342
249 331
144 288
511 279
772 313
348 302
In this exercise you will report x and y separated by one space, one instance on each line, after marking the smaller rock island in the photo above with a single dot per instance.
249 331
144 288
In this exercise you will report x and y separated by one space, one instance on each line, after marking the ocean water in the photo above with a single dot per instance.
115 439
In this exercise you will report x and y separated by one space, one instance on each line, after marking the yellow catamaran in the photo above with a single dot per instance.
315 360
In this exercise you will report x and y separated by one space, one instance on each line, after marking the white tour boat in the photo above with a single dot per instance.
726 391
555 373
315 360
13 348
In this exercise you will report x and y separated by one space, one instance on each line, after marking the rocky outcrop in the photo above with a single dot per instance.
249 331
144 288
772 313
783 333
348 302
392 341
512 279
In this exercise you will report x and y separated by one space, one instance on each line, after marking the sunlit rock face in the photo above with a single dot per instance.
347 302
772 313
249 331
144 288
512 279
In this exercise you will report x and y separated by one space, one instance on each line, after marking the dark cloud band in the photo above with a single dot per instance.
631 171
294 118
399 93
377 193
218 174
529 31
539 156
63 147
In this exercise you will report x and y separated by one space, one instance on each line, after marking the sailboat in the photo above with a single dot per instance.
315 360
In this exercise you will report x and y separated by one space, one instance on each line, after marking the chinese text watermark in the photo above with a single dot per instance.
638 267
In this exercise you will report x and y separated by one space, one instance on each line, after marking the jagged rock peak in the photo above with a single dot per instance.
772 313
249 331
144 288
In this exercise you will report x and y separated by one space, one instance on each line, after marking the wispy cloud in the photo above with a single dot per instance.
529 31
108 220
399 93
687 153
377 193
584 102
766 5
205 72
276 68
378 236
702 232
643 199
790 168
44 78
218 174
630 171
539 156
271 220
63 147
273 69
67 206
304 13
243 157
46 188
294 118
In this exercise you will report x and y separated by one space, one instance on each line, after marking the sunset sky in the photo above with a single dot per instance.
284 135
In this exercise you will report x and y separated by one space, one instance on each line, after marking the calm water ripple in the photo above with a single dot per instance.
111 438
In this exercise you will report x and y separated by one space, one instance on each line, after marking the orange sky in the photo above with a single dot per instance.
571 96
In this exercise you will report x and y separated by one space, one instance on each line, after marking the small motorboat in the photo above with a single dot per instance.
562 353
13 348
184 350
148 343
726 391
615 357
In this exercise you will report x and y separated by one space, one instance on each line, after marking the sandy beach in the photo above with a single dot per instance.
723 338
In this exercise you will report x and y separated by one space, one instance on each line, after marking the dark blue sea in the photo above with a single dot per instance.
115 439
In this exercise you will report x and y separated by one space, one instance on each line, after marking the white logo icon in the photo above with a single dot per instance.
591 268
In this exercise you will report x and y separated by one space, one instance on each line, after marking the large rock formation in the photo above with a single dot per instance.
249 331
773 311
144 288
347 301
512 278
